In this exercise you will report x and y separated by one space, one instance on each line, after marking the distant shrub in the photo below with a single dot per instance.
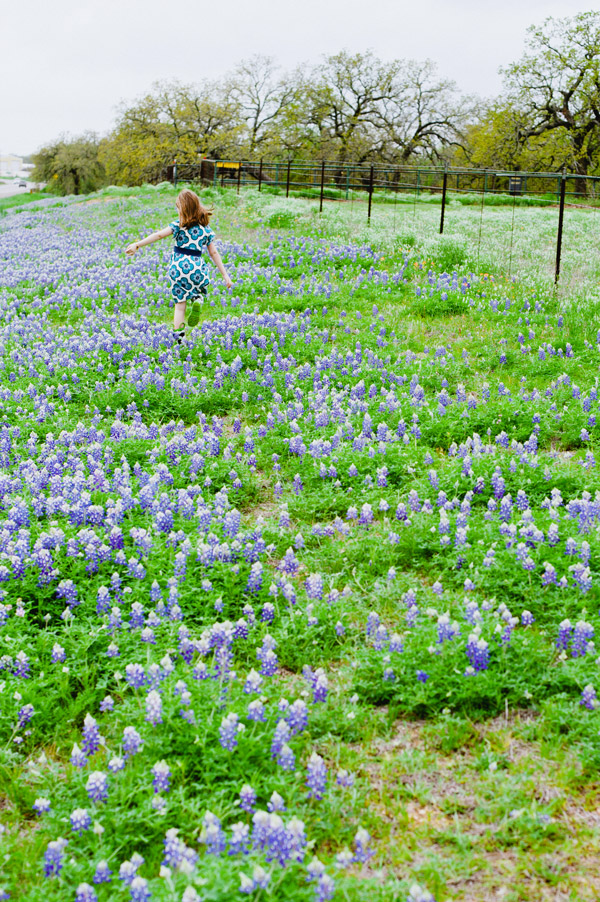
450 253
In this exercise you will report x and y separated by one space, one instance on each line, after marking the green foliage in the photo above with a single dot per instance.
70 165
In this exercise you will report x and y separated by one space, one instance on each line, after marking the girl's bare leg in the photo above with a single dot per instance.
179 315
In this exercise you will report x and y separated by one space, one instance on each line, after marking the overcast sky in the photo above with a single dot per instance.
66 65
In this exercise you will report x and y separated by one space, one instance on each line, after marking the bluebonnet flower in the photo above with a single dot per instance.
276 802
267 614
135 675
260 880
132 741
289 563
91 735
316 776
581 577
85 893
527 618
138 890
256 711
314 586
247 798
286 758
103 873
128 869
41 806
422 676
565 632
366 515
253 682
549 574
21 667
362 849
68 590
582 639
153 707
344 778
318 681
78 757
266 654
418 894
54 857
281 735
255 578
97 786
58 654
588 698
477 651
228 731
80 820
161 777
239 843
289 593
446 629
178 855
25 715
297 716
213 835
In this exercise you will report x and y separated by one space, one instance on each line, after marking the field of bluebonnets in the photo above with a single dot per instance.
303 608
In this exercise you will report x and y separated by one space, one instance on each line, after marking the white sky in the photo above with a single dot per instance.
66 64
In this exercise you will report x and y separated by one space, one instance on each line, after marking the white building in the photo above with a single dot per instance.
10 165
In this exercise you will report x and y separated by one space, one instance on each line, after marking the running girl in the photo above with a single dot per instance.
188 272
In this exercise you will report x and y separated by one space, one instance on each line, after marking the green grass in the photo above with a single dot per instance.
19 200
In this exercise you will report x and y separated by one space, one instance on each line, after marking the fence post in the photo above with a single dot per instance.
444 186
561 213
347 181
260 175
287 179
239 176
215 174
175 173
370 192
322 186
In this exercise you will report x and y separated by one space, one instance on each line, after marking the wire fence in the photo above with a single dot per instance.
376 185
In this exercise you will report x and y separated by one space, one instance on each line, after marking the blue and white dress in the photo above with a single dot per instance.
188 272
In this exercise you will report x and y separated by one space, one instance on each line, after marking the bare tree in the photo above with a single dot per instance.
421 114
261 95
343 95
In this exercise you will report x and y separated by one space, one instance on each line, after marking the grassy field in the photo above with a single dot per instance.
304 607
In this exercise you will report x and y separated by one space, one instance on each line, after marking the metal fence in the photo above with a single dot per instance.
377 184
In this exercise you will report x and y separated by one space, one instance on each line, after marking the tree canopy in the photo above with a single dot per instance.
70 165
355 107
556 87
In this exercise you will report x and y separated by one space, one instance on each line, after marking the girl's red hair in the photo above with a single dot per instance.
191 211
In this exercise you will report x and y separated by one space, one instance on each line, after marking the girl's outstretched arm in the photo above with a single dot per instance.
216 259
150 239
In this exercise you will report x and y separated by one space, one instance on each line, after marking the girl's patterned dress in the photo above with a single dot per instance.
187 270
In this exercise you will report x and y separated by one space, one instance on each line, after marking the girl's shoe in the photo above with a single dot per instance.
194 317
